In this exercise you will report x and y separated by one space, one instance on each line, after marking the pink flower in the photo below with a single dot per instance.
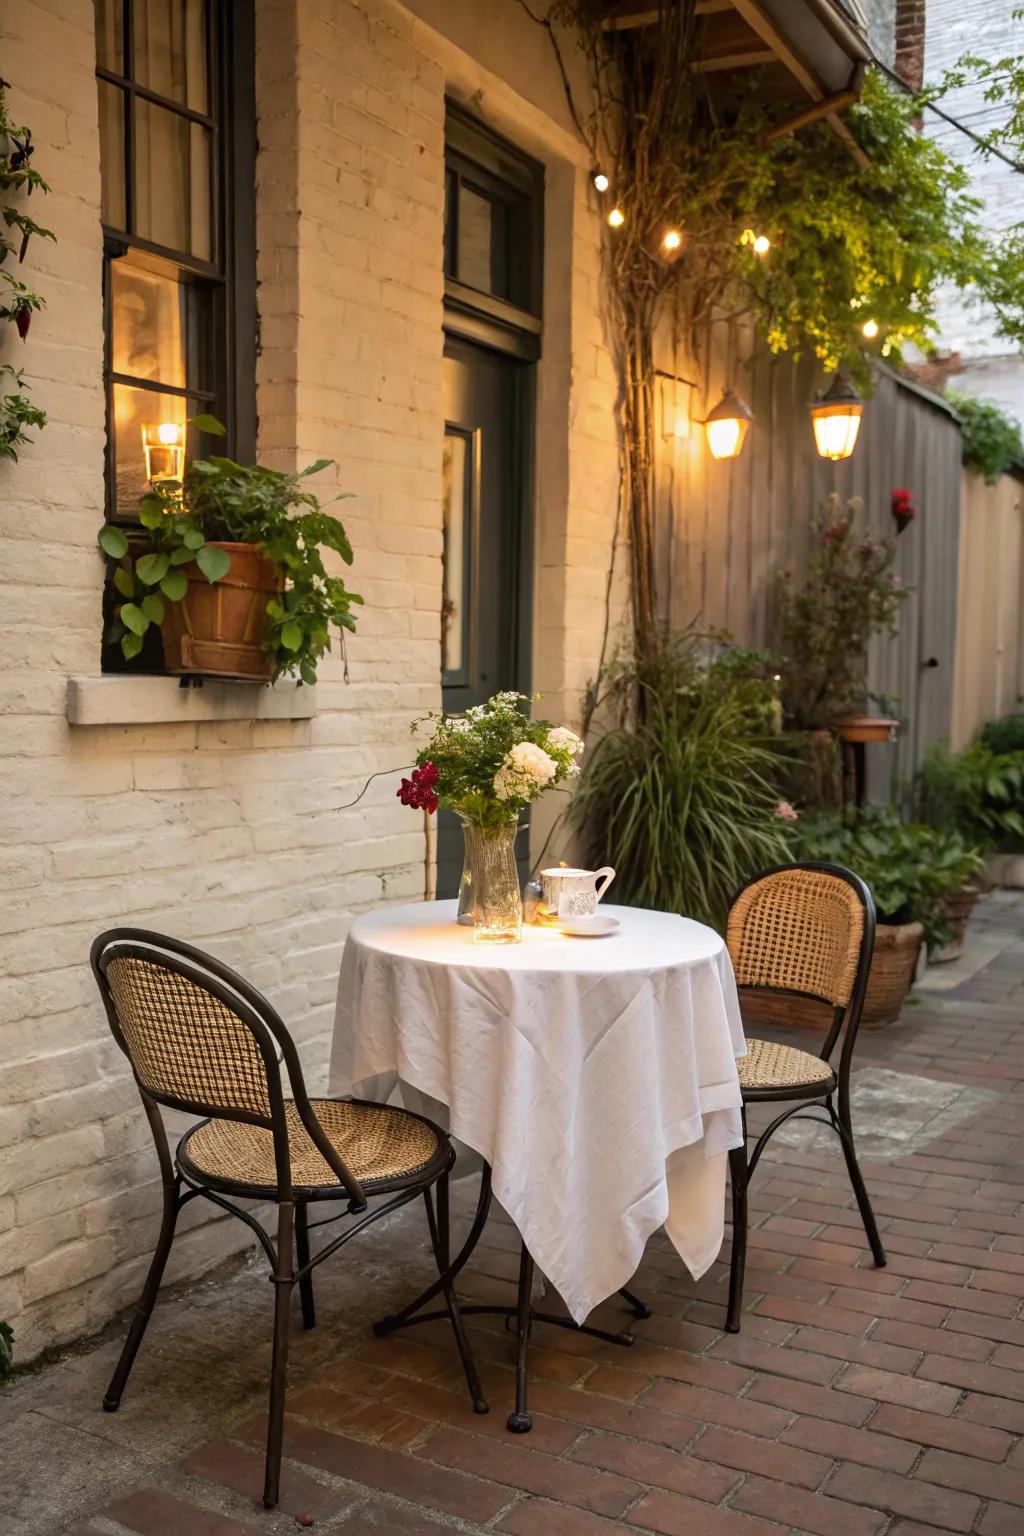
785 812
420 791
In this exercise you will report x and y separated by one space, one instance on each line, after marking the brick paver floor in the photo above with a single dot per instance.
855 1401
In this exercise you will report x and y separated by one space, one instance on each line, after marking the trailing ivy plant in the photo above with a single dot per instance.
991 437
221 501
17 413
18 302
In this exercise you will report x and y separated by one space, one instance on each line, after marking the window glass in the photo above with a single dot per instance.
456 504
112 190
170 50
148 324
173 181
110 35
133 410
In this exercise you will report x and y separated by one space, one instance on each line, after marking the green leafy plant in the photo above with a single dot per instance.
680 795
978 792
222 501
6 1350
1005 735
910 868
824 625
17 413
991 437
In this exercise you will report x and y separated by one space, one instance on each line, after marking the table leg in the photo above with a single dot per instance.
520 1421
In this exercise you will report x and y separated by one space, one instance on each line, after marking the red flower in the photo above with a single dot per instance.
903 509
420 791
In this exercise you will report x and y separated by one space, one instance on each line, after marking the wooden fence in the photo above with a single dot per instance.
989 672
727 527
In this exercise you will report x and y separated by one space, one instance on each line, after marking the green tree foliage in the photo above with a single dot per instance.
991 438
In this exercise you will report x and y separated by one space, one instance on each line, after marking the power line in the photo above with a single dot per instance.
954 122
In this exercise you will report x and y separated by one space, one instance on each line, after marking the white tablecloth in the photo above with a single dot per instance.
596 1076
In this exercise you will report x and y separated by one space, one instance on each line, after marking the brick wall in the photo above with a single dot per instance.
235 834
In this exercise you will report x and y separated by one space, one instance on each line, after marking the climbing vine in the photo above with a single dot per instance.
831 247
18 301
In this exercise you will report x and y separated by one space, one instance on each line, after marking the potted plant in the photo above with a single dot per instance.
978 792
912 871
228 565
849 594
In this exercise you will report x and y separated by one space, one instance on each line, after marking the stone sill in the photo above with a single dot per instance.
124 700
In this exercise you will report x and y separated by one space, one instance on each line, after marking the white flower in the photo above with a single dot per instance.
524 772
564 740
460 726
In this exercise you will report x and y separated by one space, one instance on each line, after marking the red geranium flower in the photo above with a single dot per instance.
420 791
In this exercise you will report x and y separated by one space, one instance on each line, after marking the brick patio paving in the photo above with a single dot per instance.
854 1402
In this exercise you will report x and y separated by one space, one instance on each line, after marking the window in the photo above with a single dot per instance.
177 148
492 232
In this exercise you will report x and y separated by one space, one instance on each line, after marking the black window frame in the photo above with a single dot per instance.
230 276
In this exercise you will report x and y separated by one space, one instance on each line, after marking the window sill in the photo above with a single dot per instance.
124 700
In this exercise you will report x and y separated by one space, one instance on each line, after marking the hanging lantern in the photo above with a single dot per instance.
726 426
836 418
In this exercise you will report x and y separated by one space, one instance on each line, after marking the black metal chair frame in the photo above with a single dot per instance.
834 1092
182 1182
522 1314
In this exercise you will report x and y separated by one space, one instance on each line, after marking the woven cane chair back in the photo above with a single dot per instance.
183 1042
799 929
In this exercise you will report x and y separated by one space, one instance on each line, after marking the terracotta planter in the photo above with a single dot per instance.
867 728
957 910
215 630
889 980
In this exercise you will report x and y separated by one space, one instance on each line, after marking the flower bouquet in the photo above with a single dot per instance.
487 766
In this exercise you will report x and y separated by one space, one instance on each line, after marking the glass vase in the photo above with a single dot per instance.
489 895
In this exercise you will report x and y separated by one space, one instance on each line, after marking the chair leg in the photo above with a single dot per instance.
146 1302
440 1237
283 1280
844 1125
302 1255
520 1421
738 1182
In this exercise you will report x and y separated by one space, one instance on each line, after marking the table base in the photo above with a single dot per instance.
519 1422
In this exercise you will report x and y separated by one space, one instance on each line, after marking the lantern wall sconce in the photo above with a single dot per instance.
675 394
726 426
836 418
163 443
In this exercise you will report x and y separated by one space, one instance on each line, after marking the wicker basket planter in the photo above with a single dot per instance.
892 972
957 910
215 630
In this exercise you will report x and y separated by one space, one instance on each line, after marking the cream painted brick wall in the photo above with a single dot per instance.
237 834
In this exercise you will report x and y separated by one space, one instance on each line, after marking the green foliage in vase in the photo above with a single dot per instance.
681 795
978 792
991 438
849 594
17 413
221 501
910 868
494 760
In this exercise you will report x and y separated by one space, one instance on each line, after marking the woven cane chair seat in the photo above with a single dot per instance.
382 1146
798 930
768 1066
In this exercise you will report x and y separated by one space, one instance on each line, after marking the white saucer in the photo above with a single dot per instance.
599 927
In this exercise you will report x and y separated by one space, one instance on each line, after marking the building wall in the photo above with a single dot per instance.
989 676
237 834
989 365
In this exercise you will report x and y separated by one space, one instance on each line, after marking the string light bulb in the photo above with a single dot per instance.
762 245
672 242
601 181
869 329
616 218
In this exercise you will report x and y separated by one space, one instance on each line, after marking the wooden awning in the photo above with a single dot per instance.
810 55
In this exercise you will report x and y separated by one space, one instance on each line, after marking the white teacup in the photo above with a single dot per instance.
575 893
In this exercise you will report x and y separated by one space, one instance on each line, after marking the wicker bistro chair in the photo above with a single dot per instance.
807 930
201 1039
